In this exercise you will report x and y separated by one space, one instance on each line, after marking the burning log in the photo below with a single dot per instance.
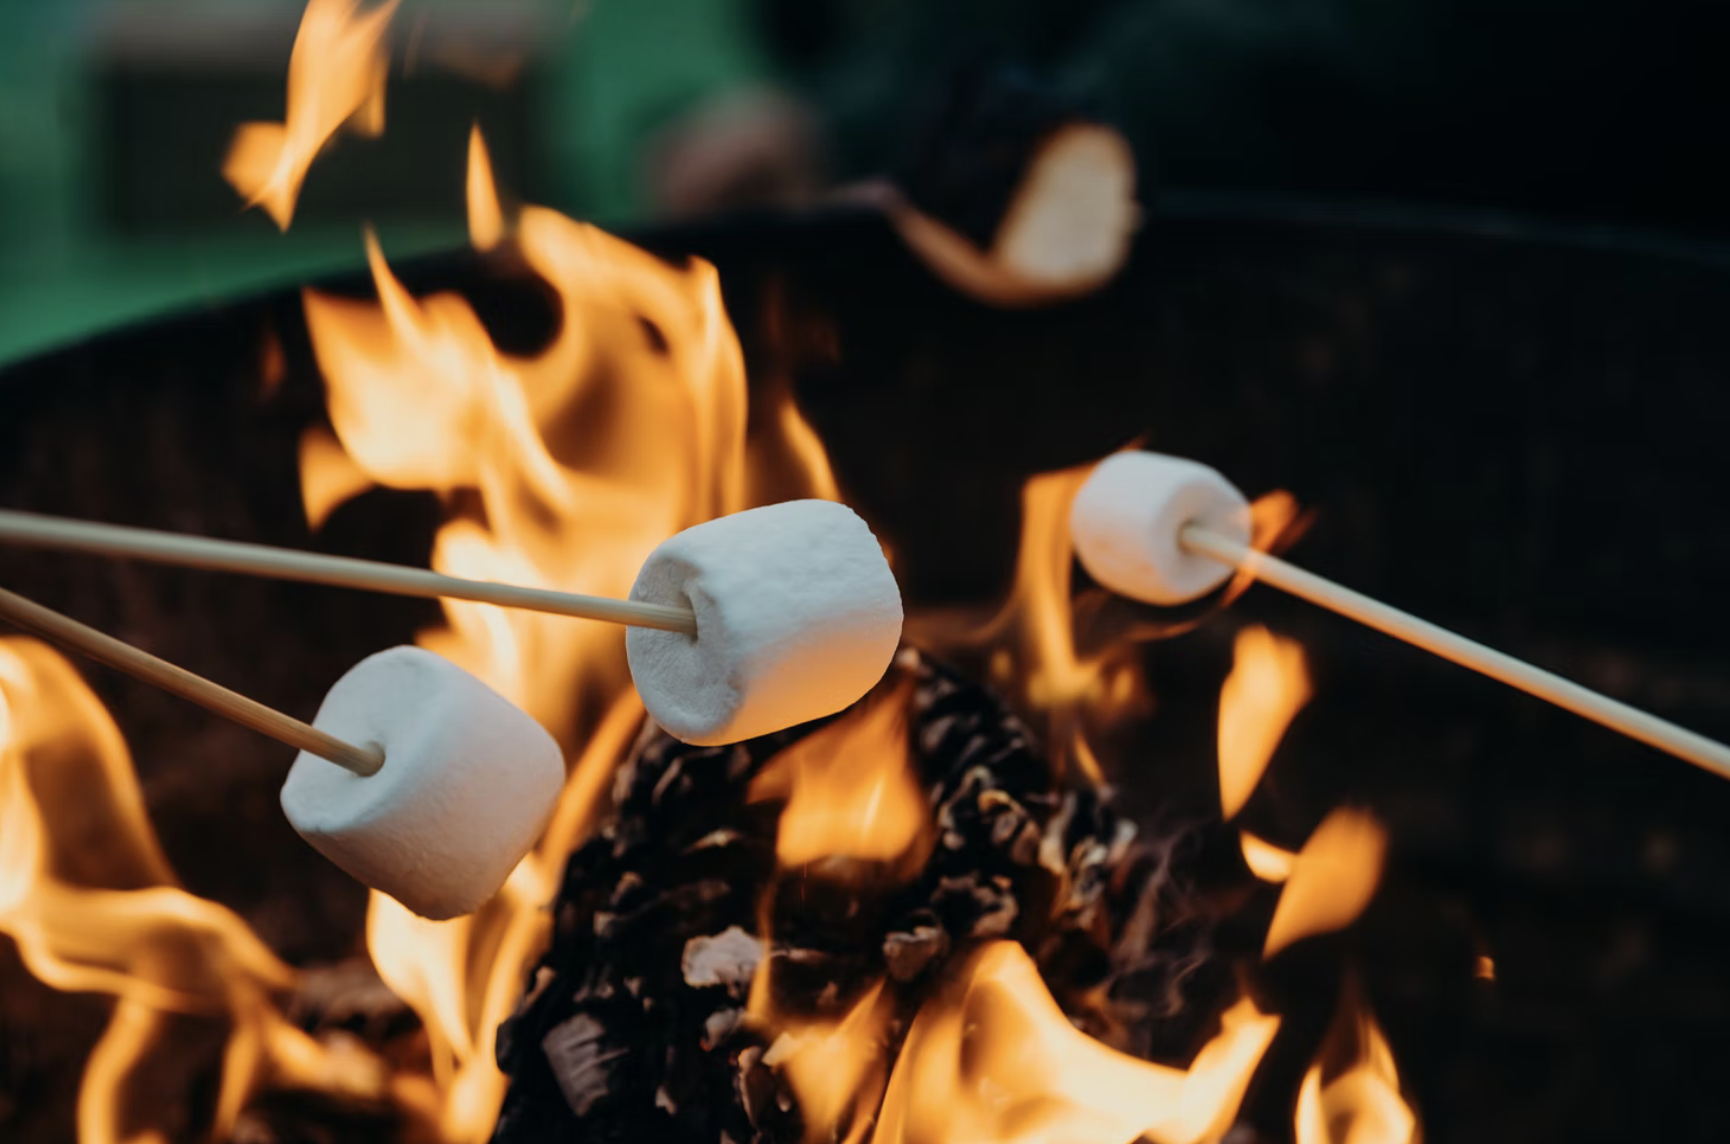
678 950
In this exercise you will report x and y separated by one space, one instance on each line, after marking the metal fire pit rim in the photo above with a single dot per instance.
1176 213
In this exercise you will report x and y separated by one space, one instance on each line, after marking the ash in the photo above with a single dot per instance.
634 1024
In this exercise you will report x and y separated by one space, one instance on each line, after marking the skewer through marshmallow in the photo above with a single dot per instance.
754 622
416 779
1166 530
468 782
788 612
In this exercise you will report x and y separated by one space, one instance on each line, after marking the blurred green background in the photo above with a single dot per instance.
114 116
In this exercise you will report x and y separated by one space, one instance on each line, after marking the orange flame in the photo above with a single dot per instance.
328 477
1031 640
1267 687
1266 861
1332 879
850 788
837 1069
1031 646
486 217
1351 1094
336 78
91 903
562 470
998 1062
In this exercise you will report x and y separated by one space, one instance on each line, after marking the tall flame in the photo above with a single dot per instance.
627 428
561 470
88 897
1033 638
336 79
1267 687
998 1062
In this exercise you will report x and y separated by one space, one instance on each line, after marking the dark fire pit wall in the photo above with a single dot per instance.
1516 436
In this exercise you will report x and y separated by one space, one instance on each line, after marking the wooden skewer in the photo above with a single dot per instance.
68 632
1564 693
341 571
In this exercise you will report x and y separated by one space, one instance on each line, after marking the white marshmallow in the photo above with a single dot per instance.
468 782
1125 523
798 615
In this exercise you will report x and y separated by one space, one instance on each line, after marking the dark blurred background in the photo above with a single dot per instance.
114 116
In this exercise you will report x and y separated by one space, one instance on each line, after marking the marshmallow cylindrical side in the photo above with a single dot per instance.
798 616
468 781
1126 518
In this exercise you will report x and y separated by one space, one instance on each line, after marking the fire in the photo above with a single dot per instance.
336 79
1032 639
1351 1094
1267 687
627 428
997 1061
563 470
851 795
486 217
92 904
328 477
1332 879
1266 861
838 1069
1032 646
850 788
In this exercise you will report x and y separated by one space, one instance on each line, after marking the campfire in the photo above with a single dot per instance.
917 911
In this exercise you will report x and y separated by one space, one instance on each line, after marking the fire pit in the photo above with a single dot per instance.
1077 869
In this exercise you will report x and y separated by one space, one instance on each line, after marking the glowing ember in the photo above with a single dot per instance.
997 1061
1267 687
1332 879
1351 1094
336 79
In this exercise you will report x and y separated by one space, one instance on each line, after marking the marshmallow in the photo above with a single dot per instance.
798 615
1126 518
467 784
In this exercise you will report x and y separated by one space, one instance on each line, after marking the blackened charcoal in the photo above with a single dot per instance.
634 1024
584 1060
